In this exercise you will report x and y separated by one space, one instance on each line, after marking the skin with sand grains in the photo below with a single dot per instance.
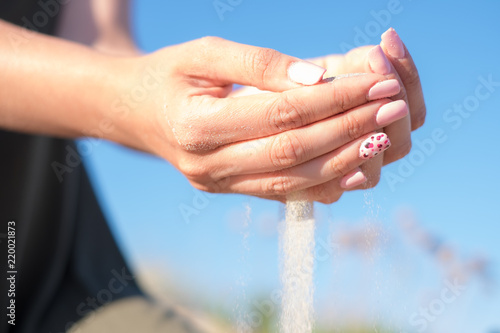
266 145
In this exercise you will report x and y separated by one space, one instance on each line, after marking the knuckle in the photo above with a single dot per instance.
287 113
339 166
207 184
191 142
192 135
196 172
286 150
262 63
280 185
343 99
209 41
351 126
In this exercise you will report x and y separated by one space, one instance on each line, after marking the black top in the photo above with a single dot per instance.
67 261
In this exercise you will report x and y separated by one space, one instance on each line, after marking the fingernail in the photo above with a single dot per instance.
393 44
383 89
305 73
391 112
374 145
353 179
378 61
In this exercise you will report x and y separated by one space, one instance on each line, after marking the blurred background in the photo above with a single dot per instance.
419 253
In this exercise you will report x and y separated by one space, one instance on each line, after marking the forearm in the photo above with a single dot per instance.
51 86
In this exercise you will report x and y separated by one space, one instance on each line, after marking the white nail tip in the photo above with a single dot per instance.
305 73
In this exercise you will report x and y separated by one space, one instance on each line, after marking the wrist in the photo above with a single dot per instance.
126 105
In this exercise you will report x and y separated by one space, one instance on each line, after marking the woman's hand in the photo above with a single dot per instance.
294 138
390 57
174 103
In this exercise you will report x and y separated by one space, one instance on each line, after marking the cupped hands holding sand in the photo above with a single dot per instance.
309 138
304 135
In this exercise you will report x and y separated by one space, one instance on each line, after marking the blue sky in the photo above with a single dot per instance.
452 188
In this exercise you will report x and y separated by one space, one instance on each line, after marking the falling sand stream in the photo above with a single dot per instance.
297 260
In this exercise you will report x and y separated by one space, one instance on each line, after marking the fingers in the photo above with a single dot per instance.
315 172
226 62
363 177
353 179
294 147
330 191
400 64
335 64
403 63
255 116
399 131
353 61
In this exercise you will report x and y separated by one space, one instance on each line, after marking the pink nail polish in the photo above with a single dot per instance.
305 73
383 89
391 112
353 179
374 145
378 61
393 44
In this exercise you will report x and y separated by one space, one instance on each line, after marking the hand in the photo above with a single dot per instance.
402 66
294 138
391 58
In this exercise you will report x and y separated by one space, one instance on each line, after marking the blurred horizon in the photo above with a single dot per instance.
384 254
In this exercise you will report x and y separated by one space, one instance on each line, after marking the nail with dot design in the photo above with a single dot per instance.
374 145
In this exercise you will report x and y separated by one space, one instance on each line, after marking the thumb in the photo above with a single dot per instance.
227 62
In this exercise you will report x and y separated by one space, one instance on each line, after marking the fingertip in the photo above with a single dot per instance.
374 145
387 32
353 179
305 72
393 44
390 112
383 89
378 61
